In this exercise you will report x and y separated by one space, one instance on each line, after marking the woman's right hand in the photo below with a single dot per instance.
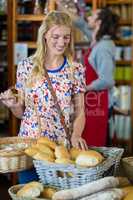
9 99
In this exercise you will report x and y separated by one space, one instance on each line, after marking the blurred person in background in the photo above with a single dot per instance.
101 29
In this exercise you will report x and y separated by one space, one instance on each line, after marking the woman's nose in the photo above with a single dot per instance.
61 41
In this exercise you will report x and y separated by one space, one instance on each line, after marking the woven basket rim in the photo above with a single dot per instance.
18 186
15 139
15 159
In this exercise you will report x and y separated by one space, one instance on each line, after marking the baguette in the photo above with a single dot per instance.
62 152
87 189
47 141
43 156
110 194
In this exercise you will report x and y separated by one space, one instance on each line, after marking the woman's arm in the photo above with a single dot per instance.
78 21
79 122
18 110
105 64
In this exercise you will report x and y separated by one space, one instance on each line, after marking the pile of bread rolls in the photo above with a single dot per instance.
36 189
49 151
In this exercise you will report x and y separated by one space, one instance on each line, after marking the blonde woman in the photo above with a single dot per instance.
37 109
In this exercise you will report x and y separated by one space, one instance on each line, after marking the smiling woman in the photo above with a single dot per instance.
52 87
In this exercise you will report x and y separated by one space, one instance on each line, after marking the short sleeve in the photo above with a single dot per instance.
23 70
78 78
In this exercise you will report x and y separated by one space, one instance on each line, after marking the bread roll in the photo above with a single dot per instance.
32 190
74 152
48 192
62 152
31 151
64 161
89 158
43 156
47 141
45 149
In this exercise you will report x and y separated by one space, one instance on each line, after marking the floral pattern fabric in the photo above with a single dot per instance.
41 116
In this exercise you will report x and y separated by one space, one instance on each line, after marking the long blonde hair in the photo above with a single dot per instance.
53 18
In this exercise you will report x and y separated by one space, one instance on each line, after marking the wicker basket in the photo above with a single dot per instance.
127 166
12 156
13 190
69 176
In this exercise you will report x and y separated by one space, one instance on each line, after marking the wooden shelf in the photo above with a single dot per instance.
123 42
122 82
125 22
123 62
119 2
31 45
88 1
30 17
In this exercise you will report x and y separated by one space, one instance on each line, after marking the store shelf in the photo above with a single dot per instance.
123 62
122 42
122 82
118 2
125 22
30 17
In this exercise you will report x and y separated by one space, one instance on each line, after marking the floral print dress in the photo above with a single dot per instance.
41 117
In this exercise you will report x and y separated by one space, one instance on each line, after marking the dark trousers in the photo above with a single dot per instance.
27 176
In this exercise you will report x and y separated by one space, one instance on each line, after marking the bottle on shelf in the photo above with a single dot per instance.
37 8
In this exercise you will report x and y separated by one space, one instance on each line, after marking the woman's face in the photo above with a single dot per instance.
57 39
93 20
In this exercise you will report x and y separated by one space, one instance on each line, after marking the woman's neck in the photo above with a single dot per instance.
52 62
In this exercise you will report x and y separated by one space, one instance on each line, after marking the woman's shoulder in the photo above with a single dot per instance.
106 44
26 61
26 64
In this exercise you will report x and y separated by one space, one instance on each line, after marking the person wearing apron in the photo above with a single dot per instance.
96 109
99 63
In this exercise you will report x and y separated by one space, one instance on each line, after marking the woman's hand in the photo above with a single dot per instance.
9 99
78 142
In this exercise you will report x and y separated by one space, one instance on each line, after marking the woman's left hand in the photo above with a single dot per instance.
78 142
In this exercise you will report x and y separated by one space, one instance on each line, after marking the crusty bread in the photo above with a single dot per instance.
43 156
74 152
32 189
47 141
45 149
62 152
48 192
64 161
89 158
31 151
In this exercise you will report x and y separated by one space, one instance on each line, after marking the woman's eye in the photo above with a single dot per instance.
55 37
67 37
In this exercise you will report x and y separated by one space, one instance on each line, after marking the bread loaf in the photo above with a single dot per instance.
74 152
129 192
31 151
32 190
89 158
62 152
43 156
47 141
64 161
45 149
87 189
48 192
